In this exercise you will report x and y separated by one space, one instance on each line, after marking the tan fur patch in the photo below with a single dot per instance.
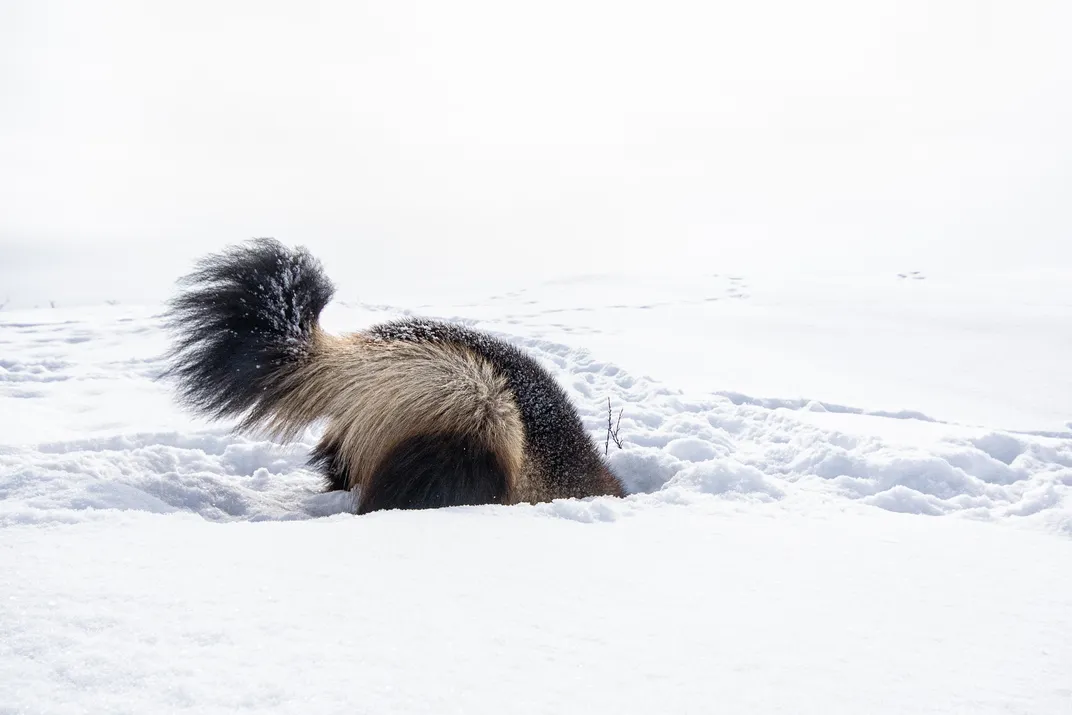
376 393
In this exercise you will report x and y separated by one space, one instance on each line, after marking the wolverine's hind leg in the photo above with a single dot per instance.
439 470
327 459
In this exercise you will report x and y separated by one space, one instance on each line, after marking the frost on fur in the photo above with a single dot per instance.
244 319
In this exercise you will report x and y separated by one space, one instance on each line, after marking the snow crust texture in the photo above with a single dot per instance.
87 428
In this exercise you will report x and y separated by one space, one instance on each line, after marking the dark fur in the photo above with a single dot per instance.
556 439
243 323
435 471
327 459
244 328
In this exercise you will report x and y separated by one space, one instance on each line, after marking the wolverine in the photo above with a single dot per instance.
417 413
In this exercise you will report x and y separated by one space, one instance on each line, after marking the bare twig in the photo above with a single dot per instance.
606 445
613 428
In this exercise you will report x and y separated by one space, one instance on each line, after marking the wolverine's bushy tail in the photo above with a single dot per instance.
244 326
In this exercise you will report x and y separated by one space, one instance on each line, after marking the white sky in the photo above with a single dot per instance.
427 142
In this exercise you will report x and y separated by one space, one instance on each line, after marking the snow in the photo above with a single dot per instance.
727 607
813 525
817 254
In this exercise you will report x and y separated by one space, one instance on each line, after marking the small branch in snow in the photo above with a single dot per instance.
613 428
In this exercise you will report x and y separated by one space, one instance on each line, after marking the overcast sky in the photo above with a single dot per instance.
407 140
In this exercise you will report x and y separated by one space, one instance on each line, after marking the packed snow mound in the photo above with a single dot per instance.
88 429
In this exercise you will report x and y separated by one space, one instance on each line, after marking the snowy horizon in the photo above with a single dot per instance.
405 142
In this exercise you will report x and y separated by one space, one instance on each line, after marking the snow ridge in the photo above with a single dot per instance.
678 449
